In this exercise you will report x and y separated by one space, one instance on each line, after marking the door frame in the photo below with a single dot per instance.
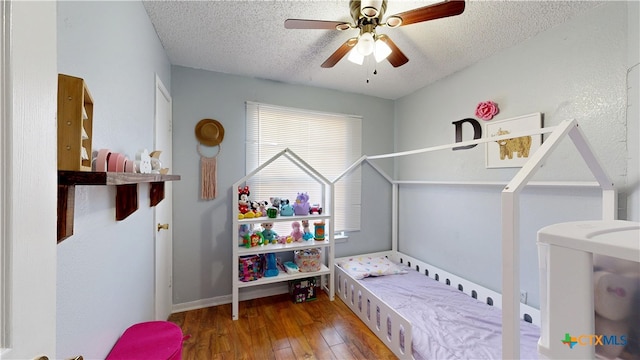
29 179
160 312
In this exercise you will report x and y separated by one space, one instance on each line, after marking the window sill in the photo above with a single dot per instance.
341 238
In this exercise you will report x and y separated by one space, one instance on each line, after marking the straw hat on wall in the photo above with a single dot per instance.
209 132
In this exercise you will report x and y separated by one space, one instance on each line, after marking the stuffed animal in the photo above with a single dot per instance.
262 206
270 236
296 233
285 208
306 233
243 199
275 203
301 206
255 207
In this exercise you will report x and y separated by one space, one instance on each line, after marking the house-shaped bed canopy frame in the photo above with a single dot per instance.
510 210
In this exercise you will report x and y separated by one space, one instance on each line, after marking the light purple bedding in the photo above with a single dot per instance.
446 323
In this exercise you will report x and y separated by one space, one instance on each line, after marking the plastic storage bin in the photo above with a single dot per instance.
589 290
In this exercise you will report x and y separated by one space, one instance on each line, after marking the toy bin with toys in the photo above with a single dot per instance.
308 260
302 290
590 290
250 268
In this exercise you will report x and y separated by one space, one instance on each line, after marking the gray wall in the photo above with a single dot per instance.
202 232
106 269
575 70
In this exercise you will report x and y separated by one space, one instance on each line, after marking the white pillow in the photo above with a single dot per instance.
361 267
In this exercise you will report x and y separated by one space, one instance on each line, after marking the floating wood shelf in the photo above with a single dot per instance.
126 193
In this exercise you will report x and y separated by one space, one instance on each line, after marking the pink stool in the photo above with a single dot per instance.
153 340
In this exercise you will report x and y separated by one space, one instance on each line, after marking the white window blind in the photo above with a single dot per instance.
328 142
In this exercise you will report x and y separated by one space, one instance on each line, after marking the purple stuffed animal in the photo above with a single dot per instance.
301 206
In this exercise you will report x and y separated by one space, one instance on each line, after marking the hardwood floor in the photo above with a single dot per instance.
276 328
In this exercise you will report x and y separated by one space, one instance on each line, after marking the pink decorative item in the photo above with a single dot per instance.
486 110
153 340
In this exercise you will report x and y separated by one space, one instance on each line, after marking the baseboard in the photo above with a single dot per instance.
245 294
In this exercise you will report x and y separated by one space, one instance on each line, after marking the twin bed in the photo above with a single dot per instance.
428 313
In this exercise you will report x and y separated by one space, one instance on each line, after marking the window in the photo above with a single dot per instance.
327 142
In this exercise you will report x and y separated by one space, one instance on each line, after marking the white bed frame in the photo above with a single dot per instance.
356 296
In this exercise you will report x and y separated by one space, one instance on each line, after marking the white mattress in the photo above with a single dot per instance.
448 324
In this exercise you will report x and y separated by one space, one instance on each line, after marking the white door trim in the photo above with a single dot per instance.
29 179
5 286
163 239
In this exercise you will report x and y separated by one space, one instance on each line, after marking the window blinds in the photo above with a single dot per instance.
328 142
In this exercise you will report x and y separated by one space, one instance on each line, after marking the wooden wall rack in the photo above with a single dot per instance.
126 193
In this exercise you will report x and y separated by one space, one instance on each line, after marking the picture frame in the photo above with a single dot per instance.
512 152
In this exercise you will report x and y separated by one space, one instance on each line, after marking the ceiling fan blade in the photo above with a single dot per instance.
432 12
340 53
313 24
396 58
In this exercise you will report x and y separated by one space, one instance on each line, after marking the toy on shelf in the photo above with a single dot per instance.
270 236
291 267
319 230
296 233
253 238
308 260
270 266
262 207
275 204
301 206
306 233
255 208
285 208
243 199
315 208
257 239
243 230
250 268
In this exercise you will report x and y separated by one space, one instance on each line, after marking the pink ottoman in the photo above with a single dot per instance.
153 340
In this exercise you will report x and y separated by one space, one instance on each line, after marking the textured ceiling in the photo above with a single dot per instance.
248 38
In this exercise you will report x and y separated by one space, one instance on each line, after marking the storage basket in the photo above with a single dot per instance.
308 260
303 290
250 268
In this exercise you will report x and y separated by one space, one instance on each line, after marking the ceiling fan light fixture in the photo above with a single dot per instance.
343 26
370 8
381 51
355 56
365 44
394 21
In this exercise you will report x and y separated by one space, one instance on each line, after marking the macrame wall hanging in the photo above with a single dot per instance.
210 133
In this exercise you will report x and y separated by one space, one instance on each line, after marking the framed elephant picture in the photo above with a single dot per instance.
512 152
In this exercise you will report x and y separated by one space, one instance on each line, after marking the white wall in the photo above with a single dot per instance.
202 232
633 113
106 269
575 70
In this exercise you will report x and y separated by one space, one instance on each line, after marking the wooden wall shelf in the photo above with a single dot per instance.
126 193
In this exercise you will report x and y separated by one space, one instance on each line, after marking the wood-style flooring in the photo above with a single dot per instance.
276 328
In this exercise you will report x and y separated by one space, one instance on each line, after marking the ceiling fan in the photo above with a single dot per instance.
367 15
